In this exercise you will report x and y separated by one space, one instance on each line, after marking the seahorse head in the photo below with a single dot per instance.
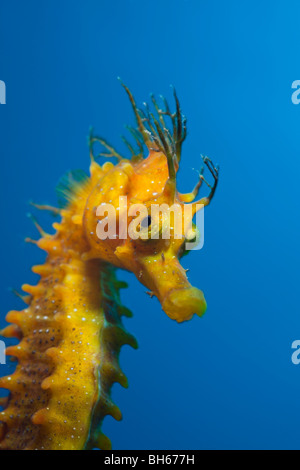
136 219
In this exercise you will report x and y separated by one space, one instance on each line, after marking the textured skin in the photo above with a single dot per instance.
74 313
71 330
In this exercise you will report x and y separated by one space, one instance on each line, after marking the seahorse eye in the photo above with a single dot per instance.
146 222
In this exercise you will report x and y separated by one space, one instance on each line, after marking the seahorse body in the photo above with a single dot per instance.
71 330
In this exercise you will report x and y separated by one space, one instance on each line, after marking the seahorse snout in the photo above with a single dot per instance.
166 279
182 304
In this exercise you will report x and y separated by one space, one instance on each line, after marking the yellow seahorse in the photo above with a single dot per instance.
71 331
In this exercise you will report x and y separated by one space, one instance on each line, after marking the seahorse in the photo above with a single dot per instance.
71 331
